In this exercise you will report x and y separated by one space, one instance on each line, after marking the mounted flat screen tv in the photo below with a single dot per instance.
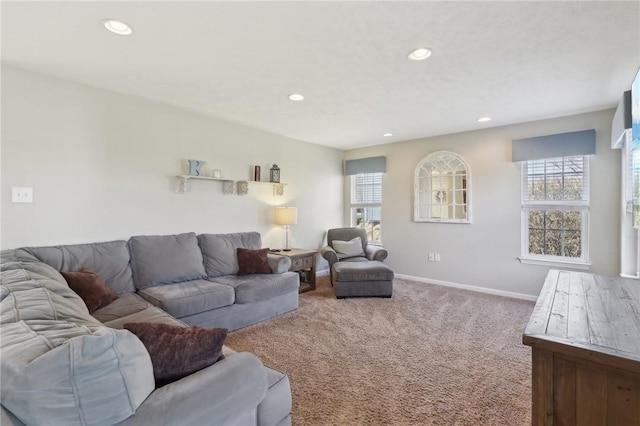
635 147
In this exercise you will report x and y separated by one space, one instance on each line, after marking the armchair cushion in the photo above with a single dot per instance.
351 248
346 234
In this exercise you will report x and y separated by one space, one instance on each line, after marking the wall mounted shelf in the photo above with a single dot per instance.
228 185
278 188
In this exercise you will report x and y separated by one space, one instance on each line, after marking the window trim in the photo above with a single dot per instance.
583 206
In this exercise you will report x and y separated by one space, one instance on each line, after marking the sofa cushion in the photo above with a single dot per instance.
110 260
36 291
177 352
165 259
255 288
90 287
219 251
126 304
59 365
149 314
190 297
253 262
98 377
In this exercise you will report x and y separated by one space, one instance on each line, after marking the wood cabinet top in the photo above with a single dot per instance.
593 317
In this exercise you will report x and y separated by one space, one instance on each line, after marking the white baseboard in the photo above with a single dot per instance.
323 273
503 293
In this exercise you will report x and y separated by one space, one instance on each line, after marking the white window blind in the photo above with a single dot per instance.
366 189
366 203
563 180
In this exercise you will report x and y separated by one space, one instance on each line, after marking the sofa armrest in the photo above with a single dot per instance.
375 252
214 395
329 254
278 264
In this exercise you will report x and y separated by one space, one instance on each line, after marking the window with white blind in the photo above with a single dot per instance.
555 209
366 203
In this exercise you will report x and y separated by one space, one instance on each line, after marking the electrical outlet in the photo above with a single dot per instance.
432 257
437 257
22 194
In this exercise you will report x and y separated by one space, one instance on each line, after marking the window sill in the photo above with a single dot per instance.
463 221
633 277
571 264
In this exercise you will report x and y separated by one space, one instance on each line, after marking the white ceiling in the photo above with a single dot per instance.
239 61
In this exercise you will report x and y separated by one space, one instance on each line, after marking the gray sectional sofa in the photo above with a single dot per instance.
61 365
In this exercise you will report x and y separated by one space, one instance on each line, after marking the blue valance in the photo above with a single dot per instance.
365 165
552 146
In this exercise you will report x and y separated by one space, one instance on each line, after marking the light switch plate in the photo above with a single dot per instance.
22 194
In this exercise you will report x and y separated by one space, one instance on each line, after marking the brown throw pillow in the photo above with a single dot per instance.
90 287
253 262
178 351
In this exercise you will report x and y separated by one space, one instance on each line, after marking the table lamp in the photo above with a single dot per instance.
286 216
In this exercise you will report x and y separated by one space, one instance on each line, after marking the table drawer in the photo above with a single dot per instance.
302 262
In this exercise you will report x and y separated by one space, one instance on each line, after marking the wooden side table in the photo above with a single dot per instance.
302 261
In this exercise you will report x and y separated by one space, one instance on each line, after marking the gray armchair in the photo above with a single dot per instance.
371 251
356 272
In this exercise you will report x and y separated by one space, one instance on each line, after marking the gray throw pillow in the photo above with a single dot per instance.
350 248
165 259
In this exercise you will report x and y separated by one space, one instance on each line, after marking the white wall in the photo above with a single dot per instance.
485 252
102 166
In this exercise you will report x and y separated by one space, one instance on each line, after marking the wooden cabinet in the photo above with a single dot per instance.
584 333
303 261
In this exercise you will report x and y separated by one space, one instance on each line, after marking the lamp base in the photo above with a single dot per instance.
287 245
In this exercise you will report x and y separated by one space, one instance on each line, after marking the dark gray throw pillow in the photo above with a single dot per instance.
253 262
90 287
165 259
178 351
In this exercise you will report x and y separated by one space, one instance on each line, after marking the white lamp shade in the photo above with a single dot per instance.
286 215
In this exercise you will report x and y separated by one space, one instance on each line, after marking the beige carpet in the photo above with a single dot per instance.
429 356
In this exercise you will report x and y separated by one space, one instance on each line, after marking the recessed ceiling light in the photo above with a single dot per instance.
117 27
296 97
387 135
484 119
420 53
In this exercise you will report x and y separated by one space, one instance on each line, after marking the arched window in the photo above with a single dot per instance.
442 189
